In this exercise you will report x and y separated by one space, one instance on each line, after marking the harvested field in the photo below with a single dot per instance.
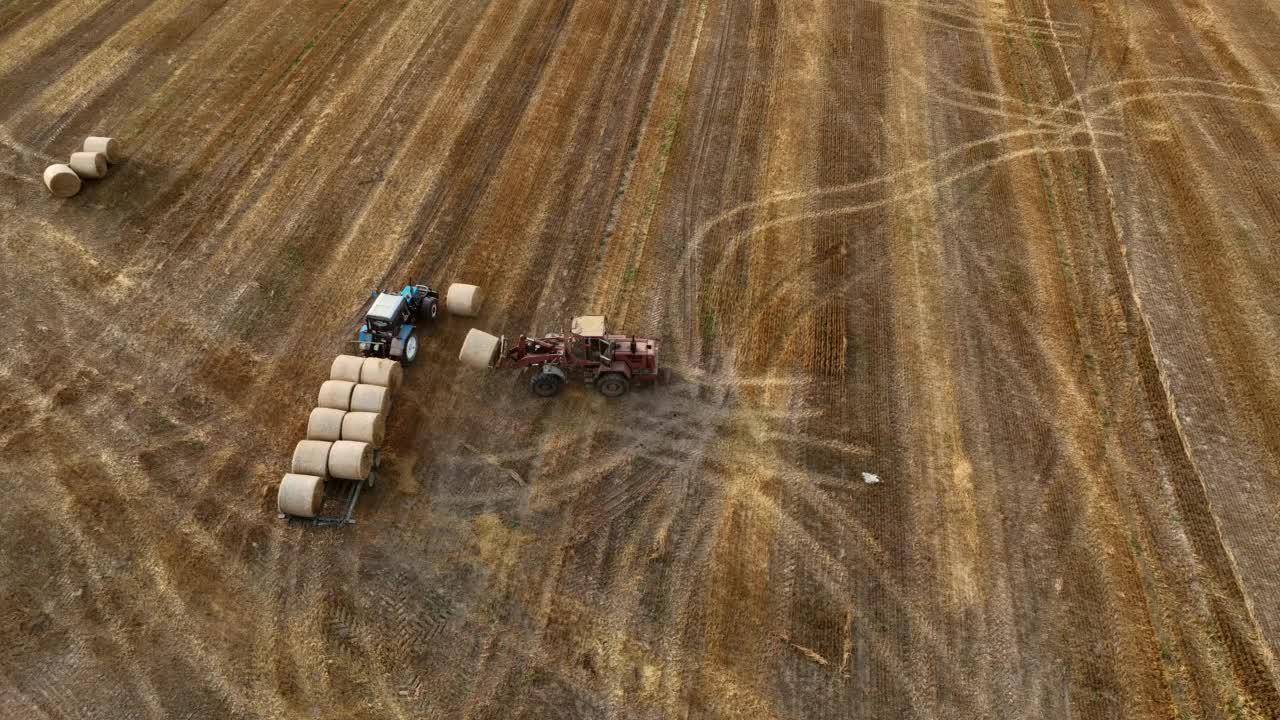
974 309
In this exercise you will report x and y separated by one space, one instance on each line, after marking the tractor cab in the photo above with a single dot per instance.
387 311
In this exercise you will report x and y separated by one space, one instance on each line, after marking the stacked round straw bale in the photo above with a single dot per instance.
91 162
346 427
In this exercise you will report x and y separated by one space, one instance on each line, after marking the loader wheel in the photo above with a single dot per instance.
410 349
613 385
545 384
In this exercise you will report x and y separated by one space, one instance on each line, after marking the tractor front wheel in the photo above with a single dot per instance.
546 384
410 352
613 385
430 308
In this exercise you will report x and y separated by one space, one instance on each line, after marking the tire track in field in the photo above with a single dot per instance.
514 91
588 182
91 491
1211 551
832 257
205 174
638 134
965 20
820 612
272 131
155 296
713 156
727 612
327 214
1063 106
22 62
14 17
167 513
1033 120
734 244
122 612
23 149
626 254
693 248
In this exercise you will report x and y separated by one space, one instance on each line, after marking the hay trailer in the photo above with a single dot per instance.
586 355
342 453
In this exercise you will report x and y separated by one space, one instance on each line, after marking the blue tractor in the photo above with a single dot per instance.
390 328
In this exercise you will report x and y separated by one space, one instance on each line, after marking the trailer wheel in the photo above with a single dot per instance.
546 384
410 349
613 385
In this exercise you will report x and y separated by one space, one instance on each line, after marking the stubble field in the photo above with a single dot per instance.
1015 260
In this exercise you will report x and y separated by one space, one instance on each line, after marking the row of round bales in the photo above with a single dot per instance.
345 429
63 180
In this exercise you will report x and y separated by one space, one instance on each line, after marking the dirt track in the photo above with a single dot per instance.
1017 259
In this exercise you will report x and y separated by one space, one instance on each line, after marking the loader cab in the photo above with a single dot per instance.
588 325
587 344
590 350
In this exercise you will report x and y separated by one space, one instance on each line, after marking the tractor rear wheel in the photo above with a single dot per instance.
410 352
613 385
546 384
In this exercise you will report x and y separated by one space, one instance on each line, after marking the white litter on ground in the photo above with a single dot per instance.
870 478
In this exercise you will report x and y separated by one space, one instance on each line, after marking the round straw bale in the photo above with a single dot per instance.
105 145
311 457
371 398
381 371
346 367
365 427
336 394
464 300
300 495
325 424
89 164
351 460
61 180
478 349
